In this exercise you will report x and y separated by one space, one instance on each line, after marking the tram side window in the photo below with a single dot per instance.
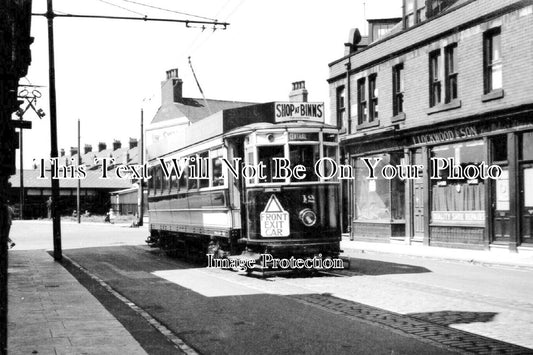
151 181
193 171
203 165
157 181
166 182
216 168
184 175
266 155
174 182
305 155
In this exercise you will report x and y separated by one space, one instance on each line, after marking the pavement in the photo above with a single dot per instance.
50 312
495 256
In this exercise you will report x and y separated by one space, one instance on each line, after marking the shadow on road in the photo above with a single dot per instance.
376 268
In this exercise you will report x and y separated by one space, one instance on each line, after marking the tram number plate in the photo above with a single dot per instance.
274 220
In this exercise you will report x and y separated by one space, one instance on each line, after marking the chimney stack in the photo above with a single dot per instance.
87 149
171 88
102 146
116 144
73 151
298 93
62 152
133 143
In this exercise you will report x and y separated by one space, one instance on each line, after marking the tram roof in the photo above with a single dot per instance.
234 121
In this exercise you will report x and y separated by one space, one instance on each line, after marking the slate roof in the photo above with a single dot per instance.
92 181
194 109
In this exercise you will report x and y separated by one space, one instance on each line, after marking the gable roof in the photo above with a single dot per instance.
194 109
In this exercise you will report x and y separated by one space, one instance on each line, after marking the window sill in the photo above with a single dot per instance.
493 95
398 118
368 125
444 107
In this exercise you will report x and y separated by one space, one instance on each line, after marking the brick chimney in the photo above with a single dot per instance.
88 148
116 144
298 93
133 143
102 146
171 88
73 151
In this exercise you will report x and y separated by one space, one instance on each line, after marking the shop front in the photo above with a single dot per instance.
474 189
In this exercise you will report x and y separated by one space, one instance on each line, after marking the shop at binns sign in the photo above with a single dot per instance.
274 220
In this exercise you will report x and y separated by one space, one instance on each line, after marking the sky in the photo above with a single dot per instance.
107 70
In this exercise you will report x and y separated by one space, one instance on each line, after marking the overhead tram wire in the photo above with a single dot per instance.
168 10
121 7
206 39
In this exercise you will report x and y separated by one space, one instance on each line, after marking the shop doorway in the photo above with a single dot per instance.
525 191
501 204
418 199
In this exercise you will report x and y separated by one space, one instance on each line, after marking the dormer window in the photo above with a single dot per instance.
414 12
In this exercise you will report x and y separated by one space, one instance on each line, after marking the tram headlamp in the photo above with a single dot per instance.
308 217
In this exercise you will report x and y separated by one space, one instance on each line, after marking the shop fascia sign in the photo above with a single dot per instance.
446 135
299 111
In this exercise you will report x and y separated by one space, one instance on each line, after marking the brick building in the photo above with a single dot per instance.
452 79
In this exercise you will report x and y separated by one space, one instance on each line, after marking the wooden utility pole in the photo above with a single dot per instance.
56 218
141 180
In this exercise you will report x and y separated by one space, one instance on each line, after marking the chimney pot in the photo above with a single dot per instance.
133 143
299 92
102 146
62 152
172 88
88 148
116 144
73 151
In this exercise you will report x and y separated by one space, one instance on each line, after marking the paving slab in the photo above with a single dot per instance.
50 312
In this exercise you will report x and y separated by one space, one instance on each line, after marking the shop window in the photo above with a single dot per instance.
492 60
378 199
434 78
458 200
398 88
266 155
450 54
341 107
305 155
361 101
499 149
526 146
372 98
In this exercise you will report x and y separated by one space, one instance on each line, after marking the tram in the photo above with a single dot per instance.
226 190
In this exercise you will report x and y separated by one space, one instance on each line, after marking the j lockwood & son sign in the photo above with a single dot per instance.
299 111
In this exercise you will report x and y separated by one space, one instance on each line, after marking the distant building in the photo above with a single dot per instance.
451 79
94 193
